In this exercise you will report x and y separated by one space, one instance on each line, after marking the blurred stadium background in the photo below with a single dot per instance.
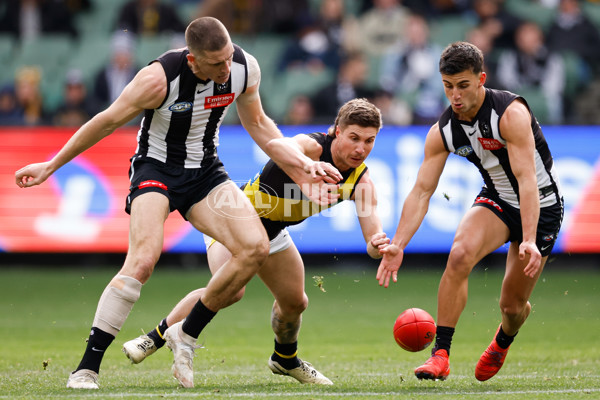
78 215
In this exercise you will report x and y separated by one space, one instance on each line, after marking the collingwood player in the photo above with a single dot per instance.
184 95
520 203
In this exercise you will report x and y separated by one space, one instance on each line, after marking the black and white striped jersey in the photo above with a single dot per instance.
481 142
184 130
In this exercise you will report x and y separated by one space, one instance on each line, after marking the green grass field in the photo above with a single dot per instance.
45 315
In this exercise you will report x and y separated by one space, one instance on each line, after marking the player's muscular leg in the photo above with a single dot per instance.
516 290
217 255
283 273
479 233
148 213
227 216
146 232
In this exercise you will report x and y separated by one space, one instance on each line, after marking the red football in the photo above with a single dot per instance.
414 329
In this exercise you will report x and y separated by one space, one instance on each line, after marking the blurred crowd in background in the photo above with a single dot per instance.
62 61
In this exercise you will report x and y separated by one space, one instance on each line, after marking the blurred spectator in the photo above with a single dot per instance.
318 45
77 107
378 29
409 71
573 31
149 17
532 66
78 6
29 97
10 113
300 111
492 17
239 17
429 8
255 16
394 111
27 19
289 16
112 79
350 83
482 39
587 104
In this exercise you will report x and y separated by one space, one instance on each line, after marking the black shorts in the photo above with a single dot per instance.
184 187
548 224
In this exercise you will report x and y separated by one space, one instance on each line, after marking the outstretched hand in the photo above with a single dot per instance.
32 174
389 265
323 171
318 182
378 242
535 258
321 193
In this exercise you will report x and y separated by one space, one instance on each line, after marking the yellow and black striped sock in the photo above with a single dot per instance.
286 355
157 334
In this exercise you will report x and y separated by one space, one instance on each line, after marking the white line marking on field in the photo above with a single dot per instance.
85 394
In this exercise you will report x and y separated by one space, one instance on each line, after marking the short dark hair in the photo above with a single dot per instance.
359 112
461 56
206 34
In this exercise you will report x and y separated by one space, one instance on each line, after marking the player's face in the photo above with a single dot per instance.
352 145
213 65
465 93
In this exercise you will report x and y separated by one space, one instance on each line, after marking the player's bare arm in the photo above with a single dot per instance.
365 201
415 206
285 153
146 90
515 127
264 130
312 150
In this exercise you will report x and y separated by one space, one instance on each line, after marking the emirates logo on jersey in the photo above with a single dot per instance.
221 100
490 144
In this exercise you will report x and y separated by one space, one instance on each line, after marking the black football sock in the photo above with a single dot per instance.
443 338
503 339
97 344
157 334
286 355
197 319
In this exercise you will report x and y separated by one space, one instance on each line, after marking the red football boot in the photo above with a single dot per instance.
491 360
436 368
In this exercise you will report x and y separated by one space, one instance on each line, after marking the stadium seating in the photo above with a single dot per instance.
449 29
56 54
531 11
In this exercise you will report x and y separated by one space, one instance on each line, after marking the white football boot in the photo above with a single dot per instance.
182 345
305 373
139 348
83 379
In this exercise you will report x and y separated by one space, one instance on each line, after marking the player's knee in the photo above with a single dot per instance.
512 309
294 306
460 261
256 251
140 266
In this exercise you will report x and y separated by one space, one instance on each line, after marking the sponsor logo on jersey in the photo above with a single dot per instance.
485 200
221 100
181 107
152 184
464 151
490 144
